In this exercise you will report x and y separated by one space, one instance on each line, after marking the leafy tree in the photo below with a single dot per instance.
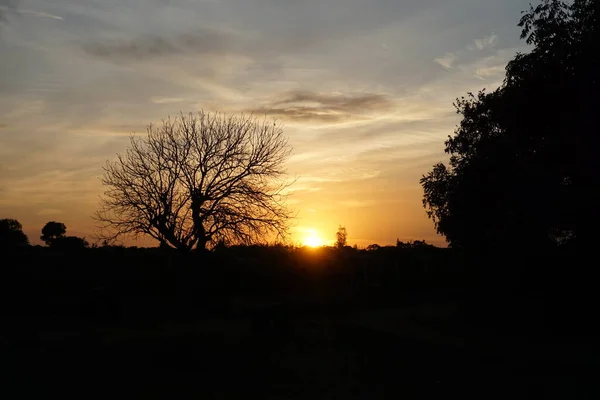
523 167
52 231
373 247
342 236
11 234
197 180
69 243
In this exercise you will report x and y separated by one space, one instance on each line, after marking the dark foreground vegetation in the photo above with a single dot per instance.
279 322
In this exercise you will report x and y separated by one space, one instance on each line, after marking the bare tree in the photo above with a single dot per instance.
197 180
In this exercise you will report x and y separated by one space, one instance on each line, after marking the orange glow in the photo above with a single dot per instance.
312 239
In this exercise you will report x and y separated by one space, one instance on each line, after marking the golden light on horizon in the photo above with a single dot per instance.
312 239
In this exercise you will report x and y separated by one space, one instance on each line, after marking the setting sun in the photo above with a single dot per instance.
312 239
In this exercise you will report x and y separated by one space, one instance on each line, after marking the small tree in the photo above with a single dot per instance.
342 236
52 231
373 247
198 180
11 234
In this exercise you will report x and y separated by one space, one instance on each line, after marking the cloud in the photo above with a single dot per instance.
308 189
490 72
317 179
486 42
40 14
447 61
336 173
166 100
44 87
5 7
309 106
201 41
492 68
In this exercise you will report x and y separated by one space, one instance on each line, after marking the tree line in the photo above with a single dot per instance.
54 235
523 170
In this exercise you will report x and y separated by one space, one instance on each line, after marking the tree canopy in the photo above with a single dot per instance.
11 234
69 243
197 180
523 168
52 231
341 237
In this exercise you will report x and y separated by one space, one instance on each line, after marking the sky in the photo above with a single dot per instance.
364 89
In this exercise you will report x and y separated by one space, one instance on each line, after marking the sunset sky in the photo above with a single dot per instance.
364 89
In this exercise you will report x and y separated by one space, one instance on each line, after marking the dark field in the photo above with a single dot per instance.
288 324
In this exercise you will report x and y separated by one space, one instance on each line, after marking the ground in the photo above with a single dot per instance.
358 354
139 323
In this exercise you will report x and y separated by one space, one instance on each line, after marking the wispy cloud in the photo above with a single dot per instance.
40 14
466 55
323 107
45 87
447 61
486 42
490 72
492 68
166 100
5 7
10 6
200 41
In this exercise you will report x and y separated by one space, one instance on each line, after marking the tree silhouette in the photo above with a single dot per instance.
341 236
69 243
11 234
52 231
198 180
523 167
417 244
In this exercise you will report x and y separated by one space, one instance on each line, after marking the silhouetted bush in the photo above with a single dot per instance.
12 235
69 243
